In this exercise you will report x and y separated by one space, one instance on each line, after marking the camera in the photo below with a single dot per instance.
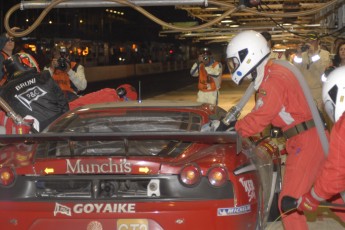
304 48
62 60
62 63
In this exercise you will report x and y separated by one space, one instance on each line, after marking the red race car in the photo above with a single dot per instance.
136 166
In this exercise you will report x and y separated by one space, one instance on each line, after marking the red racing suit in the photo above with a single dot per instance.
101 96
281 102
332 178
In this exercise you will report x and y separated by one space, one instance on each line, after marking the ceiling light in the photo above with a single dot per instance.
234 26
312 25
226 21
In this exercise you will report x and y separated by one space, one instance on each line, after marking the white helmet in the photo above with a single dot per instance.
244 53
333 93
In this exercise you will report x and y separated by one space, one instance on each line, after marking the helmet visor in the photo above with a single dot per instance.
233 63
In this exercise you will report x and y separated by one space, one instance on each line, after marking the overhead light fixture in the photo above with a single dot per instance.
226 21
234 26
312 25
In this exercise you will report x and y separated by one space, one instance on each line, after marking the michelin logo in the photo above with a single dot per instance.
234 210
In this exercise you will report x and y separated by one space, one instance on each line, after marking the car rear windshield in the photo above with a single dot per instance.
147 121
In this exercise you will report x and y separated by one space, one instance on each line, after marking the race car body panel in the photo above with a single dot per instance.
134 166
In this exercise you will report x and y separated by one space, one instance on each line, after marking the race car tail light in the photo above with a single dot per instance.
190 175
217 176
6 176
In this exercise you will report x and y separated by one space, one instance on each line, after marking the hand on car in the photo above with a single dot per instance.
218 126
224 127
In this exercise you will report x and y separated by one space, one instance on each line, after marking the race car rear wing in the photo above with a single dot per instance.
196 137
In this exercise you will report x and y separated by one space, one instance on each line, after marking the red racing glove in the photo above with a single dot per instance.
307 202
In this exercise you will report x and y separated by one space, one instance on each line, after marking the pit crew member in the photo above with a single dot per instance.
280 102
331 181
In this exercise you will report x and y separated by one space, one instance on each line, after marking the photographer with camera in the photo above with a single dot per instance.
313 61
69 75
209 72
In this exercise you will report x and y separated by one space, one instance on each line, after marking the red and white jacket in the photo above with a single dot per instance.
279 102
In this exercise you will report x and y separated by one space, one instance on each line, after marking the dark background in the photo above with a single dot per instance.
97 23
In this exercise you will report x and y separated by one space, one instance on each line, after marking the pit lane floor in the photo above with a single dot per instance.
230 94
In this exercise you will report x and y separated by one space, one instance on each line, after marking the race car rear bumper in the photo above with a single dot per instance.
213 214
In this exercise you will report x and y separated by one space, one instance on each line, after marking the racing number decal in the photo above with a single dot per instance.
132 224
249 187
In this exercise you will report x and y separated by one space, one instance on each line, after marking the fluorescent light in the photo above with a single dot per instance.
226 21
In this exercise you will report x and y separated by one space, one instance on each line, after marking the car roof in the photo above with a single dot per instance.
144 103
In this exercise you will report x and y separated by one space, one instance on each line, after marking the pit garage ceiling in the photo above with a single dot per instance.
287 20
213 21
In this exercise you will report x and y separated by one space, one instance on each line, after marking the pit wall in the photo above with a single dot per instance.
102 73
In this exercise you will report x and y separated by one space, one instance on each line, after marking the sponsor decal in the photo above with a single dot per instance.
62 209
259 103
87 208
80 166
249 188
234 210
30 95
94 225
25 84
269 147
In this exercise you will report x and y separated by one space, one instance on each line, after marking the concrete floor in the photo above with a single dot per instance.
230 94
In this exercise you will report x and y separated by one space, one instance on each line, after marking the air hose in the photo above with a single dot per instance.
10 112
290 203
315 113
20 122
235 111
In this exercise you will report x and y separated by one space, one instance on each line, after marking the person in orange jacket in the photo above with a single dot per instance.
282 103
69 75
331 181
209 72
